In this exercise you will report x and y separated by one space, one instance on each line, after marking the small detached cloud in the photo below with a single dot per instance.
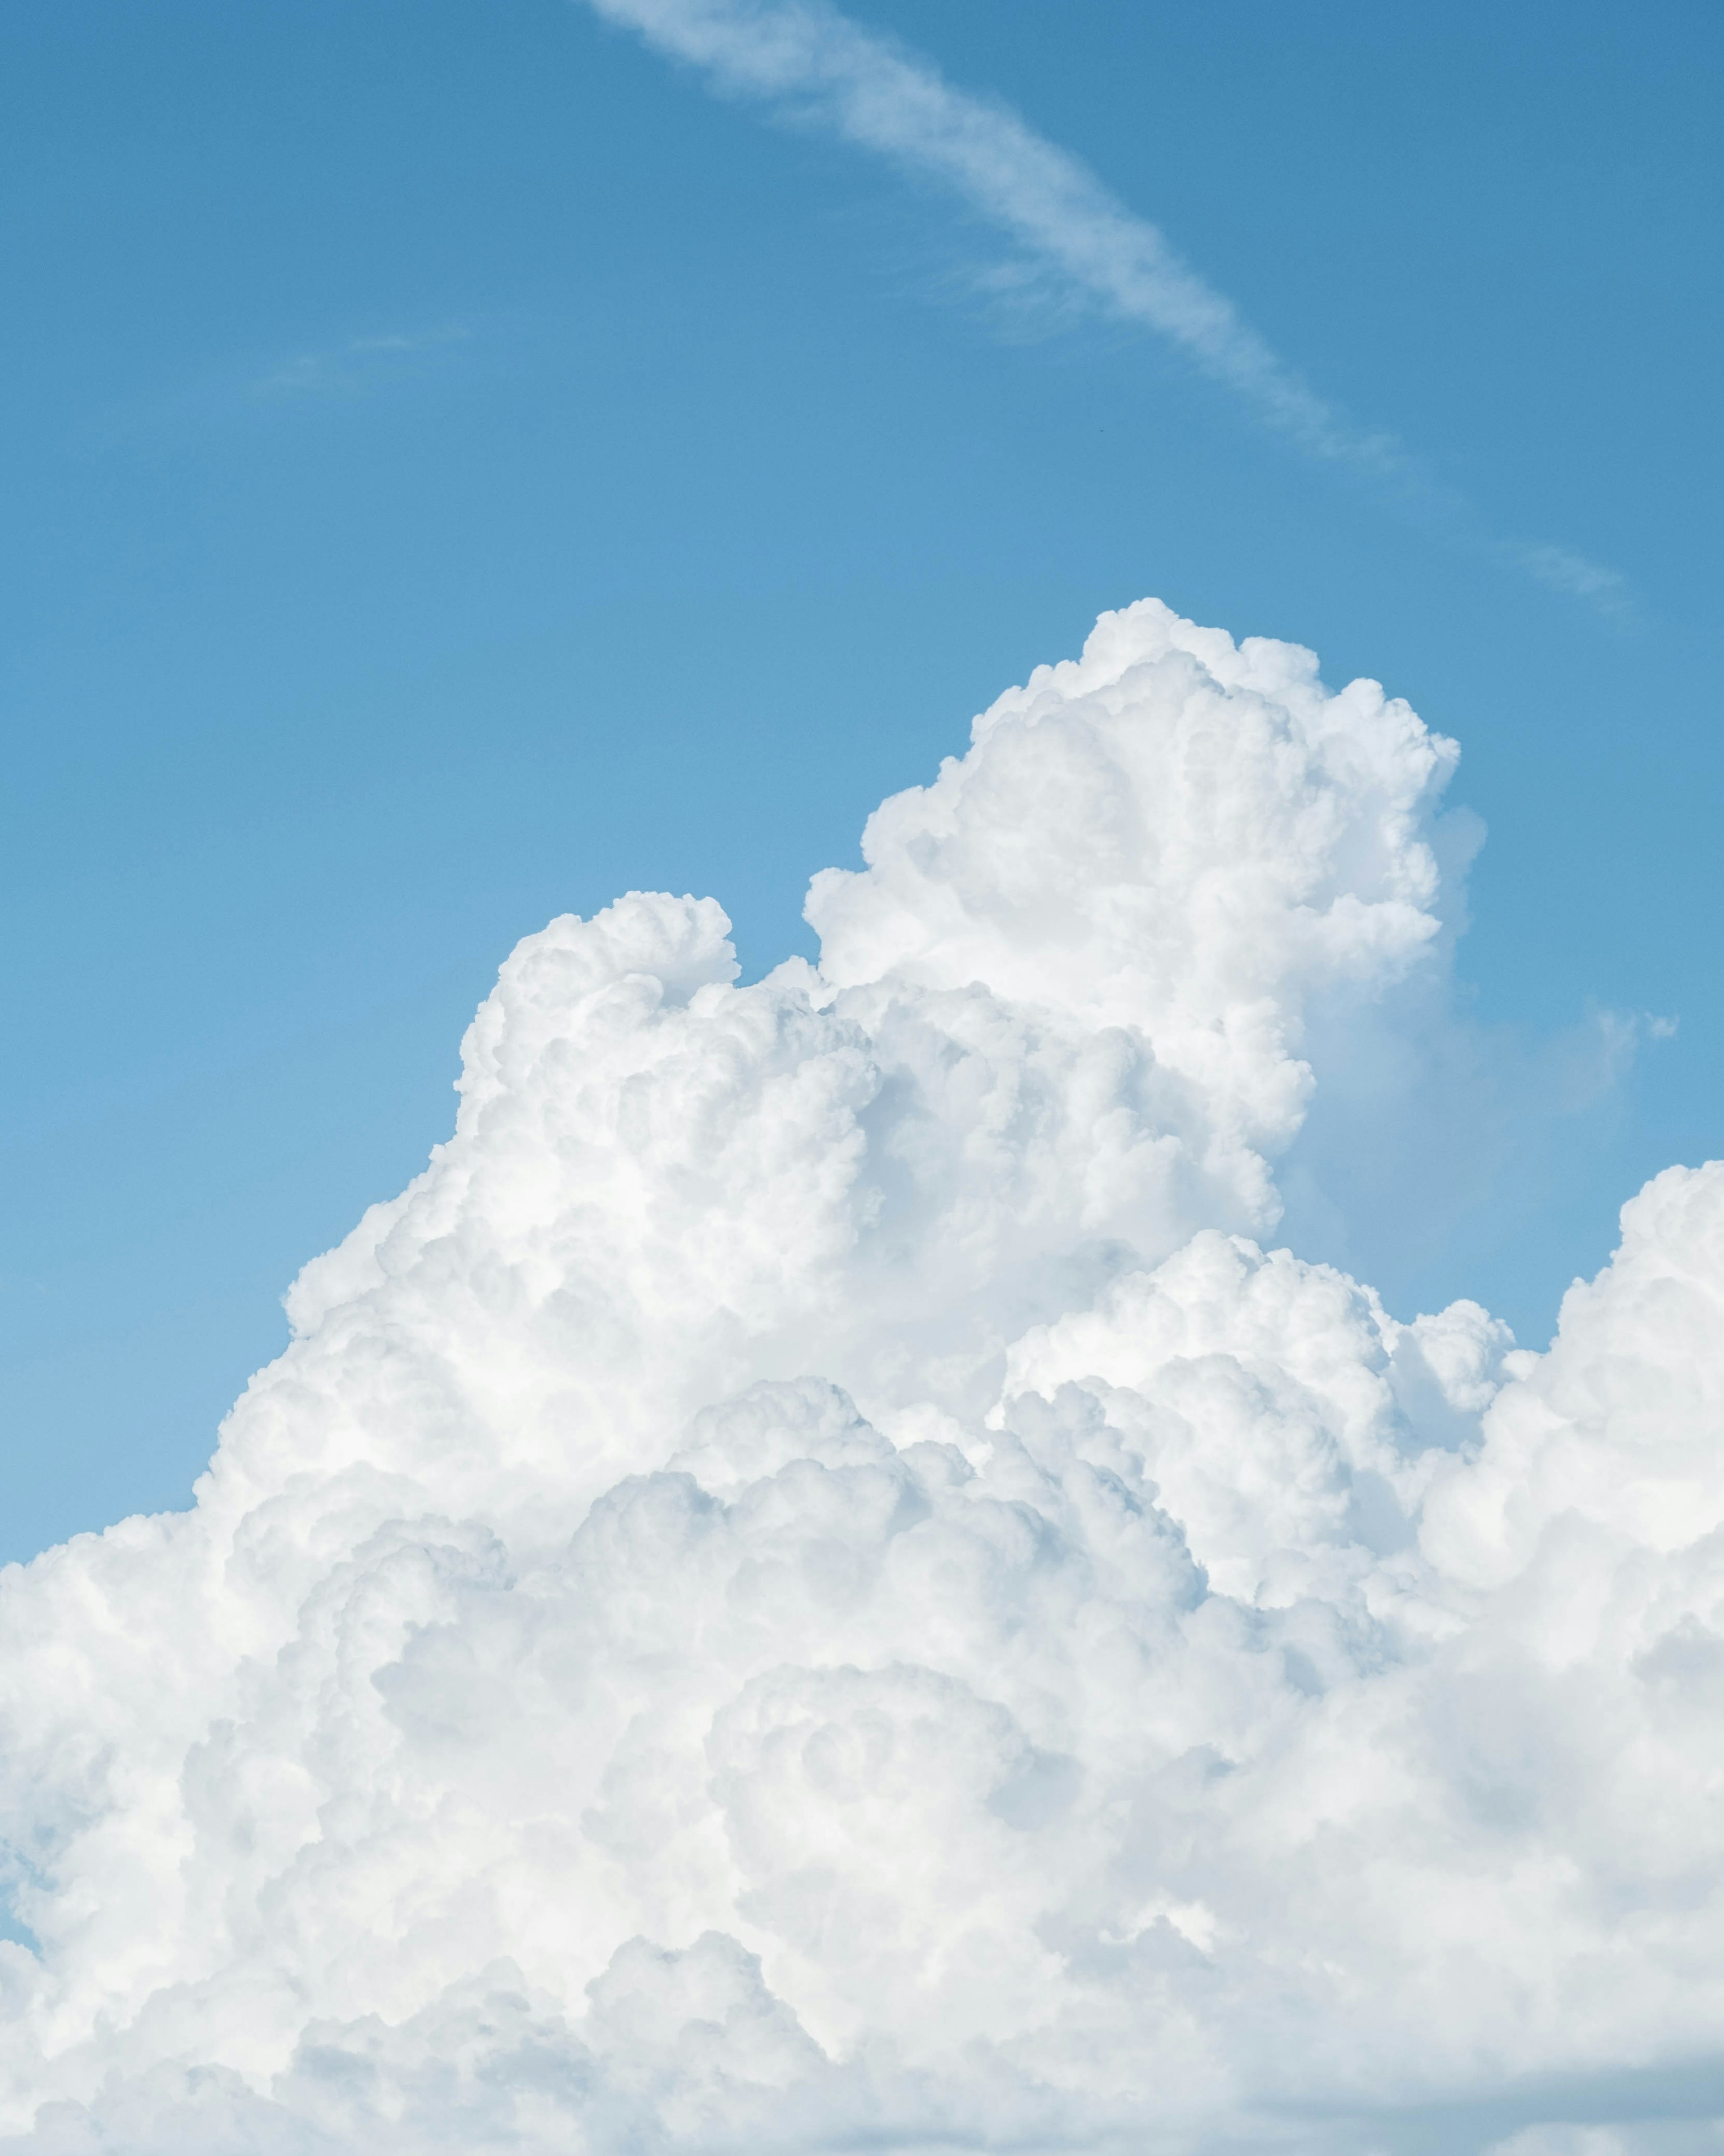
1561 570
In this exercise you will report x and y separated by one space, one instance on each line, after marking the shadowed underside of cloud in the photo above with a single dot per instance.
811 62
811 1585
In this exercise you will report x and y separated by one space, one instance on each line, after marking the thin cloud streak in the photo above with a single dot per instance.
815 65
348 369
825 68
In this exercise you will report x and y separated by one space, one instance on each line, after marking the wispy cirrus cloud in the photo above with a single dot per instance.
806 60
1562 570
353 366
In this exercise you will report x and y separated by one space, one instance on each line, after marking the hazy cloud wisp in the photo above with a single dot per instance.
352 367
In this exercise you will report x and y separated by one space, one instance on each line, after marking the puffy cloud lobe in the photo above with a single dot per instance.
1195 880
809 1583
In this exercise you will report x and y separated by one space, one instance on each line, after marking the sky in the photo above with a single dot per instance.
461 469
863 1137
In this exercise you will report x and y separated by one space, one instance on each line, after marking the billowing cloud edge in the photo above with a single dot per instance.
812 1583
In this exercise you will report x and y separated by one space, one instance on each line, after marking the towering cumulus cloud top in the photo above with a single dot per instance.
809 1585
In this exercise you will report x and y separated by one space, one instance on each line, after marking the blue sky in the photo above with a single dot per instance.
458 469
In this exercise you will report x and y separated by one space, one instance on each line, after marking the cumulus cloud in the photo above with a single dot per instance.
807 60
813 1582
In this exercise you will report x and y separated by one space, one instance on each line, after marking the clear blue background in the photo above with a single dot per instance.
455 470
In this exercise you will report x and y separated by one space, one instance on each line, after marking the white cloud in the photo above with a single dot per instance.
813 64
824 67
809 1585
